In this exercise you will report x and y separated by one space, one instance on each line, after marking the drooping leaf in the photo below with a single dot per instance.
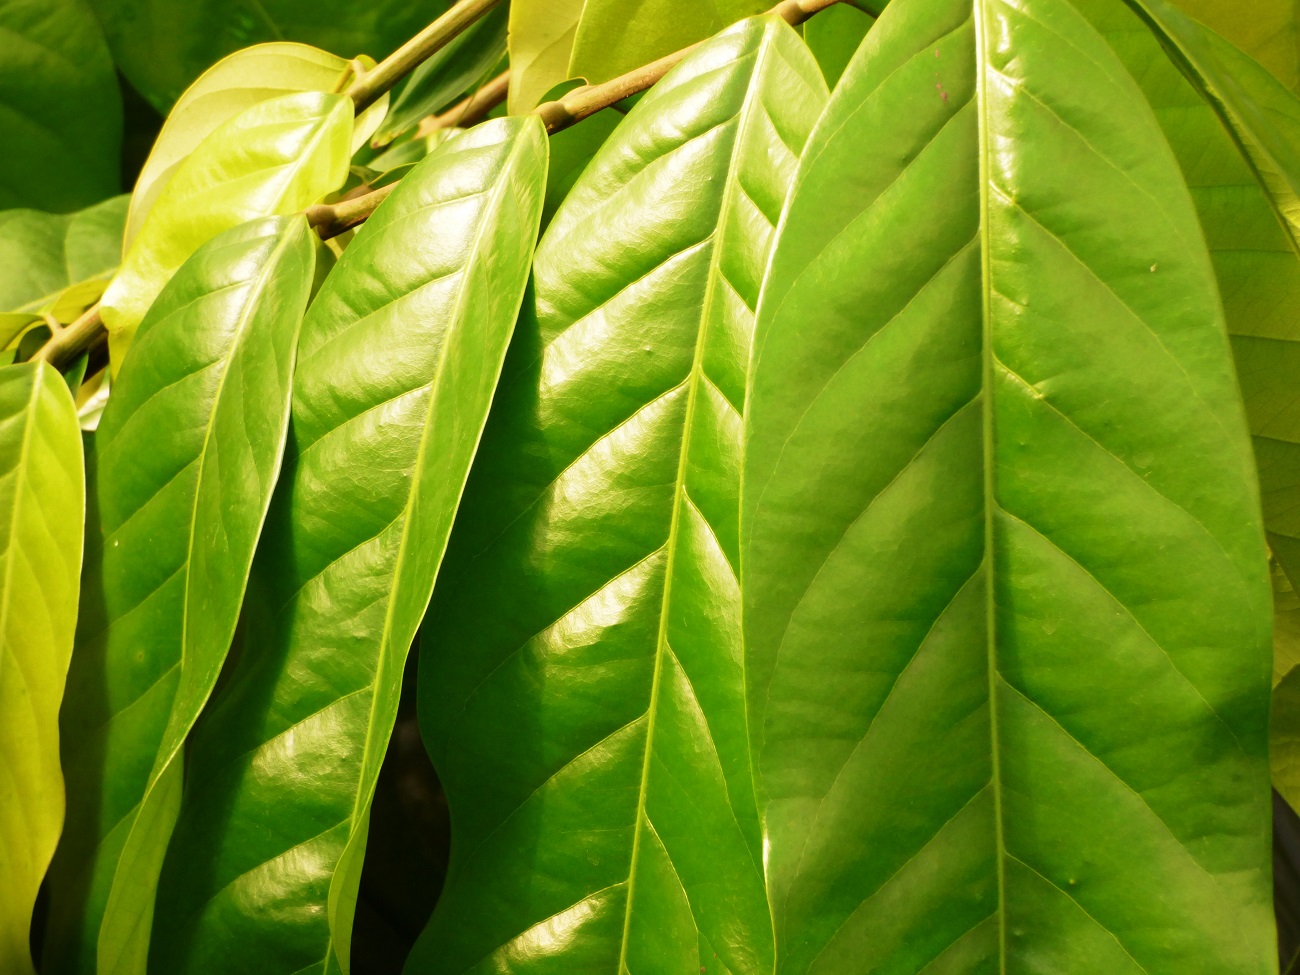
397 365
162 45
60 109
275 157
834 35
615 36
447 75
540 40
581 684
1267 30
188 449
42 505
230 86
1006 604
56 263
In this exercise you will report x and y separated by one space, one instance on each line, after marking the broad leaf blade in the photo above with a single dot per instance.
834 35
581 683
1267 30
56 263
275 157
188 450
1006 610
60 109
397 365
42 506
446 76
233 84
540 41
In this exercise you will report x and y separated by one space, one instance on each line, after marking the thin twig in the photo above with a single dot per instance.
471 110
332 219
368 87
81 336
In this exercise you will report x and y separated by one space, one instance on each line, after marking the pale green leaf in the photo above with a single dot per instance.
42 505
540 41
834 35
275 157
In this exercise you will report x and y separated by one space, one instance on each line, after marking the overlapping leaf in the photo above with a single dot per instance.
233 84
581 675
60 110
188 450
42 505
162 46
1267 30
275 157
398 362
55 263
1006 610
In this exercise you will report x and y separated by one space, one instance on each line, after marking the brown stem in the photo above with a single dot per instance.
368 87
81 336
332 219
586 101
472 110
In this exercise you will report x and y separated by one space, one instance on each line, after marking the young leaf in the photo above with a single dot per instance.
398 361
60 109
275 157
233 84
581 678
56 263
614 36
1006 604
163 45
188 450
540 41
443 78
42 504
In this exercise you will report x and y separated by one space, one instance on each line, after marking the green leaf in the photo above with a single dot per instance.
572 149
615 36
834 35
397 365
580 676
56 263
540 41
188 450
60 109
42 504
1267 30
162 45
276 157
1006 604
446 76
230 86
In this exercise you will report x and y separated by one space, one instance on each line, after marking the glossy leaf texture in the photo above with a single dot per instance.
60 109
398 362
188 449
56 263
452 70
1256 263
1006 603
581 686
162 46
275 157
42 506
230 86
540 40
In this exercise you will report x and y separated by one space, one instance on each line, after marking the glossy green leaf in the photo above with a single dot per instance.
540 41
230 86
834 35
162 46
42 504
447 75
188 449
1006 603
60 109
572 150
276 157
56 263
1267 30
581 685
398 361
